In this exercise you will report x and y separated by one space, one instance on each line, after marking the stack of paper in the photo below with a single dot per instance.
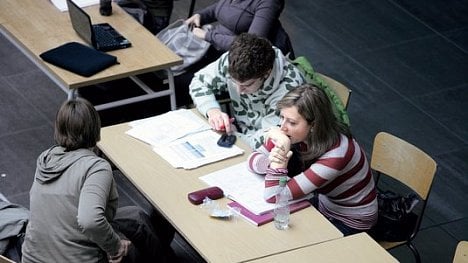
182 138
242 186
168 127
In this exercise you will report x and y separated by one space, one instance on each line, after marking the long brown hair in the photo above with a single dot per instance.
315 107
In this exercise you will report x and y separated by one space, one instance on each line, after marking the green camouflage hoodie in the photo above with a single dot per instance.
255 112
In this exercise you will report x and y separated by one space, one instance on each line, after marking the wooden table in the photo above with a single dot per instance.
461 253
357 248
216 240
35 26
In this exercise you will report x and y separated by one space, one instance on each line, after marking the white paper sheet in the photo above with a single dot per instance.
168 127
242 186
196 150
62 4
182 138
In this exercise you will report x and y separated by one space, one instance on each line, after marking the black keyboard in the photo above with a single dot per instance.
106 37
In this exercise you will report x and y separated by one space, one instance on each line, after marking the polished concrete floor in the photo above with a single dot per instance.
405 61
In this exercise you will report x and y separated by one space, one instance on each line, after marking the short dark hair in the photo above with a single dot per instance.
250 57
77 125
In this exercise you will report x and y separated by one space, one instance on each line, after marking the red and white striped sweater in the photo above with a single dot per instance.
342 178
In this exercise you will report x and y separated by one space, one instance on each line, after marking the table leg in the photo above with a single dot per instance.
170 78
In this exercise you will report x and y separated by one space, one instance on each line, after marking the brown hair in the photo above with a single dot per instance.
77 125
314 105
250 57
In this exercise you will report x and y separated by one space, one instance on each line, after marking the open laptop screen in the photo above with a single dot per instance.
81 22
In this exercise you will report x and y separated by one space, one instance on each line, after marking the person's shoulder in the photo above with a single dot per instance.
94 160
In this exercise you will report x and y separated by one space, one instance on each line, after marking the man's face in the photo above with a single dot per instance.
248 86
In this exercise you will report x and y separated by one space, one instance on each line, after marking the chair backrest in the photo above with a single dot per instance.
461 253
341 90
403 161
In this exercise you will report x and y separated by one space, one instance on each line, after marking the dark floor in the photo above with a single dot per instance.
406 62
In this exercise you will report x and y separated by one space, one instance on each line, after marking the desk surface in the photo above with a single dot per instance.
216 240
37 26
356 248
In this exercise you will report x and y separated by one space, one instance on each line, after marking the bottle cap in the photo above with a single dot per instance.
283 181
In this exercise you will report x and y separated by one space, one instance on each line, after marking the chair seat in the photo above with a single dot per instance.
389 245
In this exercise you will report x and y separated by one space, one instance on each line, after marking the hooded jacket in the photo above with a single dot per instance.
72 200
255 112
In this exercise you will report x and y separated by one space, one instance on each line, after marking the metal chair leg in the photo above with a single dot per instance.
415 252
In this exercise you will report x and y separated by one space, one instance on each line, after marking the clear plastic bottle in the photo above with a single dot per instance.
281 211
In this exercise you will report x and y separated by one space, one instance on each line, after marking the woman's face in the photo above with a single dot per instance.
294 125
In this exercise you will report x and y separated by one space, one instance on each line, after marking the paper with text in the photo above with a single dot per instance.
182 138
196 150
168 127
241 186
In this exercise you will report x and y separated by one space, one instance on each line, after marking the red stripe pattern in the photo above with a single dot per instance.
341 176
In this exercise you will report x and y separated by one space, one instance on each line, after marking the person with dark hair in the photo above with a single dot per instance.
74 214
230 18
318 154
256 76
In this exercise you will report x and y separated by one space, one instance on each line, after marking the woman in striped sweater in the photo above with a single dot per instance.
320 156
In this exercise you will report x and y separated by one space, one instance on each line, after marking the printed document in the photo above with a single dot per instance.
182 138
168 127
242 186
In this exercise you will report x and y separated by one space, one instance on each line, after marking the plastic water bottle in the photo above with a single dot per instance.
281 211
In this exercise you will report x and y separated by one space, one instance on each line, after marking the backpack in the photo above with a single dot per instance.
312 78
396 220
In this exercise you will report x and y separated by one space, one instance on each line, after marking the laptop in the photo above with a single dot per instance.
102 37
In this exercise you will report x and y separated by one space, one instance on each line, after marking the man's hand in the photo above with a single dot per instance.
220 121
123 250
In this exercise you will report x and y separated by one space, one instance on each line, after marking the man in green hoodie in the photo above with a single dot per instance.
256 76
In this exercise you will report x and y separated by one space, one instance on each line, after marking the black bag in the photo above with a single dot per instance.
78 58
396 220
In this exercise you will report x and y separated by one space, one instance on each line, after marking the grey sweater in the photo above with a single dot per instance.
72 200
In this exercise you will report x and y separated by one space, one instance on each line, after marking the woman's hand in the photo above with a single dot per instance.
279 158
278 138
123 250
198 32
193 20
220 121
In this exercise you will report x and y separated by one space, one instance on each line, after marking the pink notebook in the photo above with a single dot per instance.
267 217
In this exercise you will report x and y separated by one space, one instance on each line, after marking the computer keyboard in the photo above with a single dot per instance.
105 37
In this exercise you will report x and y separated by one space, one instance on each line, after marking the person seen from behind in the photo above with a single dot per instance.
74 202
